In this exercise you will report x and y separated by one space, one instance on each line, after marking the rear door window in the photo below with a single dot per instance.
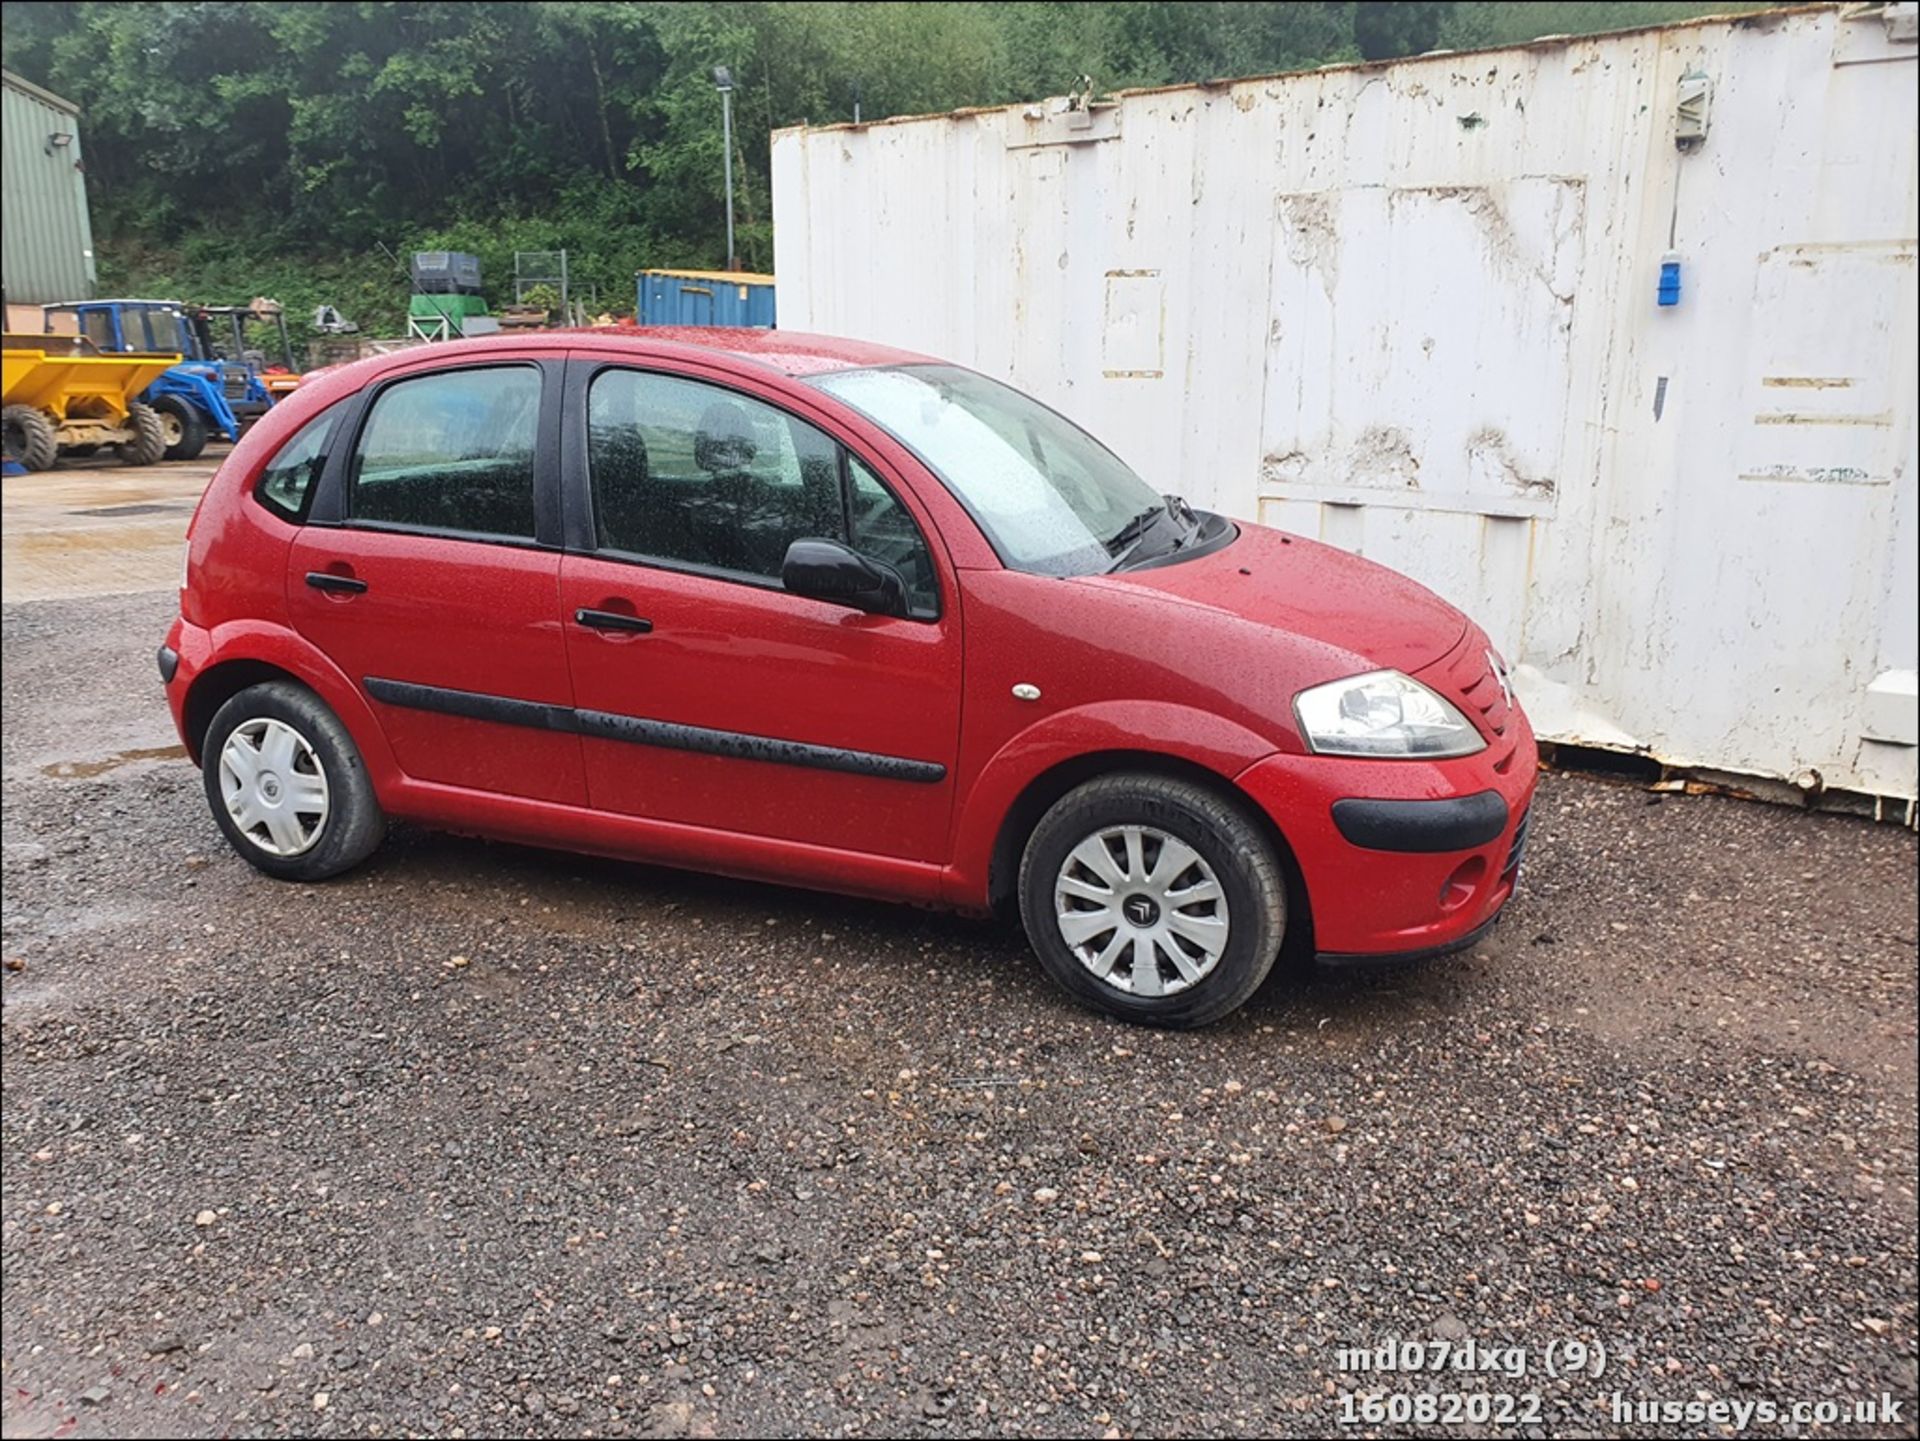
450 452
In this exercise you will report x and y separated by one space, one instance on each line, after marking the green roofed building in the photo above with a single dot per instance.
48 237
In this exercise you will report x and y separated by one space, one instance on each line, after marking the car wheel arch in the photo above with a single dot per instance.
252 654
1044 789
217 685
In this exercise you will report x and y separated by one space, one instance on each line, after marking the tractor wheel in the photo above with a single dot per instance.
149 442
182 426
30 437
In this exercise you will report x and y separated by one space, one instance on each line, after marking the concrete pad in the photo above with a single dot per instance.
98 530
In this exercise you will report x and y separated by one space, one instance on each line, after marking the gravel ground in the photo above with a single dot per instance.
485 1140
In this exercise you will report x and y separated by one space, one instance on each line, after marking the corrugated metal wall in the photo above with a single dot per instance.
1410 308
46 237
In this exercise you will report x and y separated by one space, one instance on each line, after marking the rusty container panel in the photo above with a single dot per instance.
1411 308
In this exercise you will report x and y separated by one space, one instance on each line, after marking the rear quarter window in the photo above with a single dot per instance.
286 485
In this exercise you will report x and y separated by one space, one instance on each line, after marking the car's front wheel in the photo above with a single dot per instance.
287 785
1153 899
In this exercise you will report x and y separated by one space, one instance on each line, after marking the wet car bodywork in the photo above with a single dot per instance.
745 730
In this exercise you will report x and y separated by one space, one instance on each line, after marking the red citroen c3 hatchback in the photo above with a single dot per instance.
825 613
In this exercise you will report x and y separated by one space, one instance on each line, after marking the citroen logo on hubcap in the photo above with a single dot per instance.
1141 910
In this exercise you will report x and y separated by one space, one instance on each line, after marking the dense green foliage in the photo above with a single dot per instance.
236 149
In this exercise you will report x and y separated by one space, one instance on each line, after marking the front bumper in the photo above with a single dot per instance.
1403 858
1342 961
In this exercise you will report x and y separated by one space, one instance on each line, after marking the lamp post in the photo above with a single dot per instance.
723 82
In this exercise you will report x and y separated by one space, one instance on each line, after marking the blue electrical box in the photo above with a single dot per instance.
1669 292
704 297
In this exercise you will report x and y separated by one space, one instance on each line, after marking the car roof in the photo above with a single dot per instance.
790 352
793 352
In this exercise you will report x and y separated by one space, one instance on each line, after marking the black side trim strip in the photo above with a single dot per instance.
755 748
1457 824
473 705
607 725
168 660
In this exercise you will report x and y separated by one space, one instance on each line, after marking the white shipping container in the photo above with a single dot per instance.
1411 308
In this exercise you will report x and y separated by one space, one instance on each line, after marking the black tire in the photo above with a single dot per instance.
182 427
1232 846
149 442
30 437
353 826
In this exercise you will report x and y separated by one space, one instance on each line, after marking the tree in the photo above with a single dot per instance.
233 147
1384 29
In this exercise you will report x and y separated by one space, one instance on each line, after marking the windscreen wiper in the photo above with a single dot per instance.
1126 540
1134 533
1178 507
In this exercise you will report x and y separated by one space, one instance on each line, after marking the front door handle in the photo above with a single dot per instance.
323 580
611 620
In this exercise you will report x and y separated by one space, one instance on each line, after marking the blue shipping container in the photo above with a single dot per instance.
704 297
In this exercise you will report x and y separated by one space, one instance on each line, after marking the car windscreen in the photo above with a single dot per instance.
1051 498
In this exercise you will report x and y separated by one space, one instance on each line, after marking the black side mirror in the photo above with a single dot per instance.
827 570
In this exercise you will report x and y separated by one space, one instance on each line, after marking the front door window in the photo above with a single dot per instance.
715 481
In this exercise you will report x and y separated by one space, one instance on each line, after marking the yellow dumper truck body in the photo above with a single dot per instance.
61 393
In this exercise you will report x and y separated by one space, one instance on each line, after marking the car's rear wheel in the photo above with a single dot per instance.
1153 899
287 785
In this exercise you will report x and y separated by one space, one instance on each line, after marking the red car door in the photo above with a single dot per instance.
430 574
707 694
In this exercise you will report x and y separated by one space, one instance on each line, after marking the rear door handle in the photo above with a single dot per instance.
322 580
611 620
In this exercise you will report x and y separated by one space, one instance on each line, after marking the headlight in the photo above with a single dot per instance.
1383 713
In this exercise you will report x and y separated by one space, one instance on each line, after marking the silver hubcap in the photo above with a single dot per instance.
1141 910
274 787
